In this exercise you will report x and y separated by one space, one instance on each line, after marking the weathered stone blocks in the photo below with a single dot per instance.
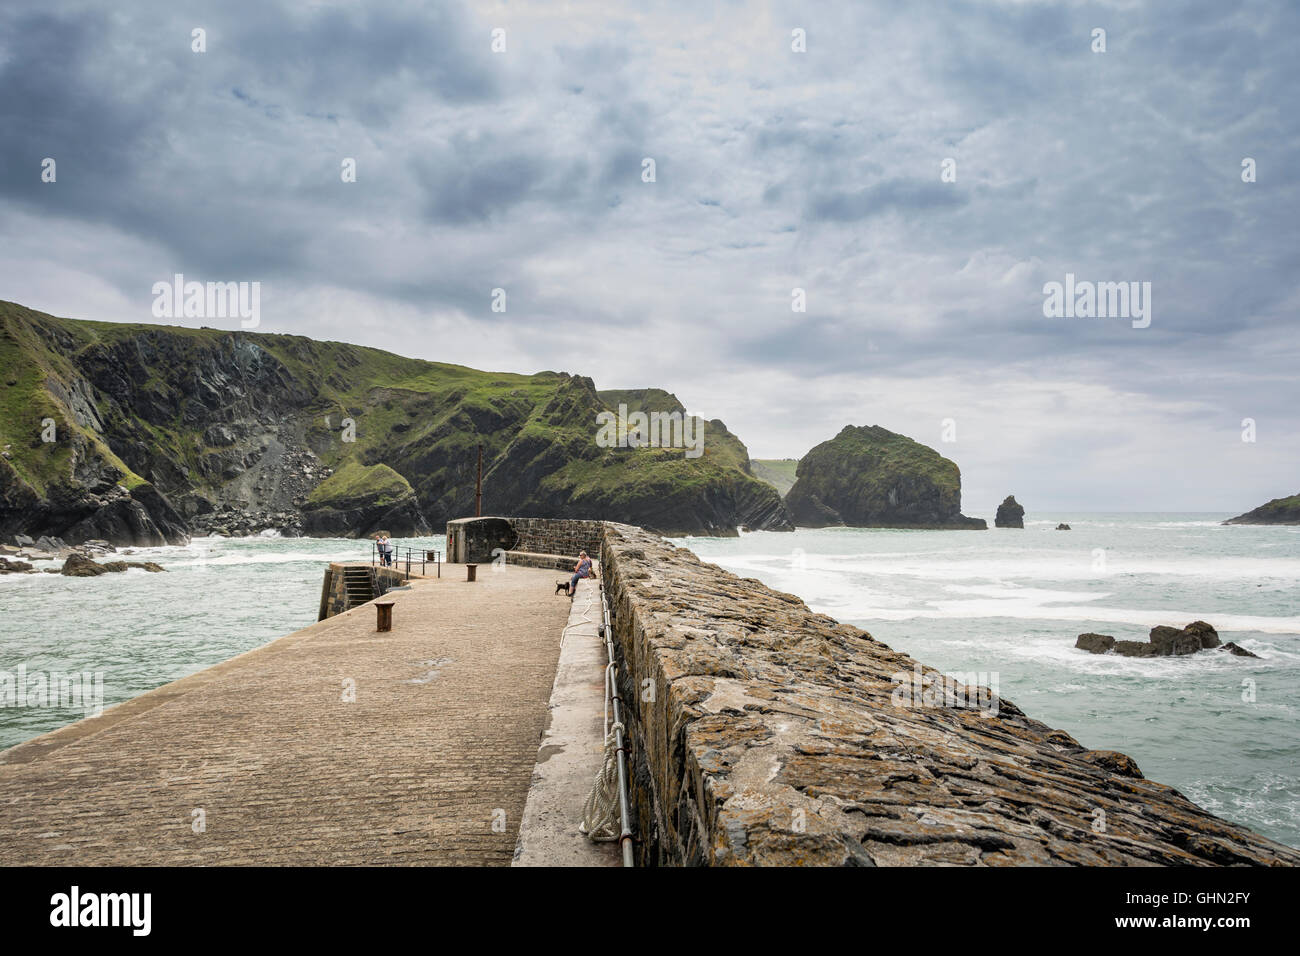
764 734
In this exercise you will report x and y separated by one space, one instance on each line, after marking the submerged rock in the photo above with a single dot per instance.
1062 527
1011 514
1233 647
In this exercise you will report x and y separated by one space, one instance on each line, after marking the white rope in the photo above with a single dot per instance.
582 620
600 814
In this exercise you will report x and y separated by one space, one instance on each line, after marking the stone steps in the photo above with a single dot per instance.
356 583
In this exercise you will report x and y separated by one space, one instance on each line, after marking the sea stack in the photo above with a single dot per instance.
871 477
1011 514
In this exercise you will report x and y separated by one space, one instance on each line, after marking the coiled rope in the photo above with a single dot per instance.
600 819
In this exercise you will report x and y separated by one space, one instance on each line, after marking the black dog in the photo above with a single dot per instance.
561 586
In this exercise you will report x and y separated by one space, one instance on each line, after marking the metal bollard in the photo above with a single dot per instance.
385 615
471 572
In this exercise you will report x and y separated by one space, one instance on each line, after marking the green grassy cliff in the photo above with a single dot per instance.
1277 511
162 431
777 472
870 477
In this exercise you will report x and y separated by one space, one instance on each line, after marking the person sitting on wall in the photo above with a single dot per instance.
580 570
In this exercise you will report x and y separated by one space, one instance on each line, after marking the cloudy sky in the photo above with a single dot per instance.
774 170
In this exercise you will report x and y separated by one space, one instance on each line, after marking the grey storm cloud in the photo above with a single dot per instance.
899 195
774 170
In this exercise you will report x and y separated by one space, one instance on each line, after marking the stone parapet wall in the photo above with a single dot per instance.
566 536
554 562
473 540
761 733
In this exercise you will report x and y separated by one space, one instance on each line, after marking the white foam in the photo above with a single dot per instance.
1032 565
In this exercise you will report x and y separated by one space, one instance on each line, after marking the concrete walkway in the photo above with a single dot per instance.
333 745
572 749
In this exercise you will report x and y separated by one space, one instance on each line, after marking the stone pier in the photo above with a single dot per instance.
333 745
764 734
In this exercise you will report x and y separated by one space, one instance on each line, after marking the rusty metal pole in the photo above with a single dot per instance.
478 487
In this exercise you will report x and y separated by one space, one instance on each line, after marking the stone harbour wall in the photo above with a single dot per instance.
472 540
761 733
563 536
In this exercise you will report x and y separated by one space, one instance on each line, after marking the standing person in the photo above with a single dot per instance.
385 549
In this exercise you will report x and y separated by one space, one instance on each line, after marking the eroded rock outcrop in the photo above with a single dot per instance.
762 733
871 477
79 566
1163 641
1011 514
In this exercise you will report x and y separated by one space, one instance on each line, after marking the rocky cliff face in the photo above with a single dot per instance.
870 477
1277 511
141 434
1011 514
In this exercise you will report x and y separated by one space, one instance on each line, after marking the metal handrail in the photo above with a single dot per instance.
402 559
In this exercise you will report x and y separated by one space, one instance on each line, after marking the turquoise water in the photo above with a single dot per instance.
1004 601
219 597
1011 603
